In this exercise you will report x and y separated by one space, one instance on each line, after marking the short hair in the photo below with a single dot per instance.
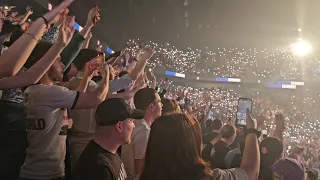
216 124
169 106
144 97
209 123
84 56
228 131
122 73
38 52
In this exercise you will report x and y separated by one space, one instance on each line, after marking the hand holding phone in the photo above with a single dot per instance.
243 105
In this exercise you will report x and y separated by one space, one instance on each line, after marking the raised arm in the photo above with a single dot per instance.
12 60
93 99
142 58
154 80
34 74
24 18
72 50
251 156
87 41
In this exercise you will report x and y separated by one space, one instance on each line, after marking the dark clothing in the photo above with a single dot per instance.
207 138
214 154
265 173
98 163
13 139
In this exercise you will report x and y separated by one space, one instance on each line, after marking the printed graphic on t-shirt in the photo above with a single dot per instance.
123 173
35 124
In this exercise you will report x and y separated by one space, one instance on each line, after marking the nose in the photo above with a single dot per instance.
62 65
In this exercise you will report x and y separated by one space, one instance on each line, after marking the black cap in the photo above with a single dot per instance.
111 111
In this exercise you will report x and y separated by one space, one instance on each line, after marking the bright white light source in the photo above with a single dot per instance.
299 30
301 48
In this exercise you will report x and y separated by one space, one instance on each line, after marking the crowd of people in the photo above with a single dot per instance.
251 64
68 111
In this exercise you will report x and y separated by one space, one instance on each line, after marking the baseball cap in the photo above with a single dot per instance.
113 110
271 149
288 169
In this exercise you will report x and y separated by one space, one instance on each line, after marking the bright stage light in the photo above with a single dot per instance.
301 48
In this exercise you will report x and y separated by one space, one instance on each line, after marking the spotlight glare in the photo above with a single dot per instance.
301 48
299 29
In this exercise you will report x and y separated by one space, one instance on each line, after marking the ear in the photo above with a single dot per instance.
119 126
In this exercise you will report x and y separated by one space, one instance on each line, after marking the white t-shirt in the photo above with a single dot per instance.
137 148
47 126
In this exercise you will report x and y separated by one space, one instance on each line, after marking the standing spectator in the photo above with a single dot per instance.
177 137
149 101
215 153
84 124
288 169
47 120
271 150
100 160
215 130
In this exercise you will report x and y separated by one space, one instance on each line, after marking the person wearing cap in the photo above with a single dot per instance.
288 169
271 150
84 125
148 100
100 160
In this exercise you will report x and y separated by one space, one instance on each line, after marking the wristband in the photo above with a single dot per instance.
45 21
134 59
253 131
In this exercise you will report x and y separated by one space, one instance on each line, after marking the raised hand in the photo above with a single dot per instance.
29 10
93 16
104 70
251 123
54 15
66 31
91 67
145 55
280 124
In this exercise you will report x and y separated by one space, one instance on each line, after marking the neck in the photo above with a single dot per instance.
46 80
149 119
108 143
227 141
80 74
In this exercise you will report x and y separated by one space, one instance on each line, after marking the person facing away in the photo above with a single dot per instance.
133 154
46 107
174 152
100 159
215 153
216 126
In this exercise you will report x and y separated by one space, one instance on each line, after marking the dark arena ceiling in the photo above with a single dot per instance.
200 23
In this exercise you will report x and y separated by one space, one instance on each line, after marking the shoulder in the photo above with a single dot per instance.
230 174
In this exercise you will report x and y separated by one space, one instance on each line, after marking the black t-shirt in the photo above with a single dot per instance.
214 154
98 163
207 138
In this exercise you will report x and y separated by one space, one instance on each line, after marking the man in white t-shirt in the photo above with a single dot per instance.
47 119
84 125
133 154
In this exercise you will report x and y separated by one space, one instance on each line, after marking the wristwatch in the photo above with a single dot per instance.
253 131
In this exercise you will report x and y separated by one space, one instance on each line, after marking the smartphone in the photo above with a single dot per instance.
243 105
210 114
101 58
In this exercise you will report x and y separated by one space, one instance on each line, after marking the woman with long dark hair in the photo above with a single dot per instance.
174 152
